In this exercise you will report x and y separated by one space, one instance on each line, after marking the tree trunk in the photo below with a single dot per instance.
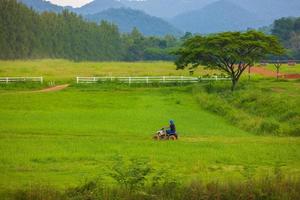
249 73
234 82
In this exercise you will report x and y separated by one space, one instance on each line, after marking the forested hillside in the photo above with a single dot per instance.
288 30
127 19
28 34
197 16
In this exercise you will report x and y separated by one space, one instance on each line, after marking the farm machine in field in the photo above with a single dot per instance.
162 135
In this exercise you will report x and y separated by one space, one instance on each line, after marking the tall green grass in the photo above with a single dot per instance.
267 189
263 107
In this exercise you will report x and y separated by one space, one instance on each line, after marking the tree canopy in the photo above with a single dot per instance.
231 52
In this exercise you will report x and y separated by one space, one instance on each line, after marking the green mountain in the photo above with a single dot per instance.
266 9
217 17
97 6
271 9
41 5
166 8
127 19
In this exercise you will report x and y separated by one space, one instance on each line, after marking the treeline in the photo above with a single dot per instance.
288 31
26 34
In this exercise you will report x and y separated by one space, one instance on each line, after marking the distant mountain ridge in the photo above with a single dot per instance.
271 9
219 16
203 16
268 9
97 6
41 6
166 8
127 19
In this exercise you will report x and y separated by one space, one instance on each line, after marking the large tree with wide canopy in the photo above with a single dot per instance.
232 52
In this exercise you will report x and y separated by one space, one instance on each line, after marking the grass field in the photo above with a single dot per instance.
286 69
63 138
66 71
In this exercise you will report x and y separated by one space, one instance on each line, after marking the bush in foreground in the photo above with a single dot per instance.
136 179
268 188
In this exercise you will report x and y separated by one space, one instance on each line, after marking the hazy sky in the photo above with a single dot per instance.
74 3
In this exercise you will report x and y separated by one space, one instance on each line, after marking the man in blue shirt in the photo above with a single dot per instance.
172 129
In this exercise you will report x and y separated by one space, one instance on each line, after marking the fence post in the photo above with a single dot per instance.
147 80
77 79
129 80
164 79
6 80
42 80
94 79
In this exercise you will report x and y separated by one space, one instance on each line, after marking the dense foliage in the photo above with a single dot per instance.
25 33
288 30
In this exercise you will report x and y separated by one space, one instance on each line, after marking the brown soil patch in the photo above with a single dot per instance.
264 72
291 76
55 88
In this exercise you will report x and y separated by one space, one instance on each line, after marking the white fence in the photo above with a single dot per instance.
150 79
21 79
214 78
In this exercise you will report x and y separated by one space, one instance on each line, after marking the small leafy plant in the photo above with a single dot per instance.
131 175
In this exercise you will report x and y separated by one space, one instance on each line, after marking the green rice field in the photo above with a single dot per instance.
65 137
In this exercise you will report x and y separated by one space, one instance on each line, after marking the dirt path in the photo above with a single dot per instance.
50 89
270 73
54 89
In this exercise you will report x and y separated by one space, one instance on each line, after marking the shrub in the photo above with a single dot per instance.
270 126
295 130
132 175
88 191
